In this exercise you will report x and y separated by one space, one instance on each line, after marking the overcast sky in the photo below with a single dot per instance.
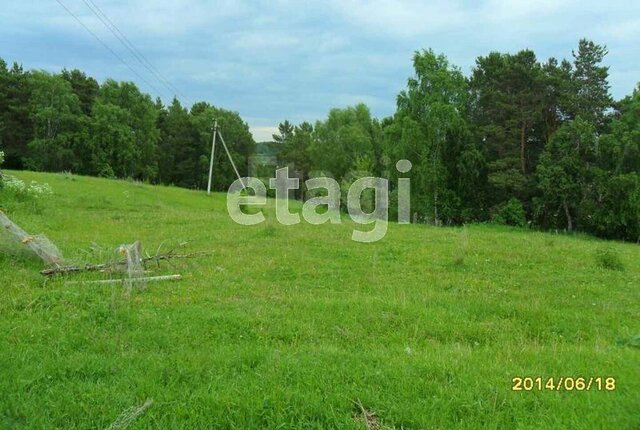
278 59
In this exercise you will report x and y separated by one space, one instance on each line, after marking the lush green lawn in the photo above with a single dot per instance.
290 327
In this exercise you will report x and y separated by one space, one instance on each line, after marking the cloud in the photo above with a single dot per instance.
624 31
522 10
272 60
257 42
164 18
262 134
402 18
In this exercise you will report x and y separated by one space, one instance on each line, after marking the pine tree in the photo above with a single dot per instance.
590 89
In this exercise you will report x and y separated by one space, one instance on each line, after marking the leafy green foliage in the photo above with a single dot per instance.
16 127
68 122
56 115
590 92
564 168
346 146
294 148
346 141
84 87
507 112
430 130
510 213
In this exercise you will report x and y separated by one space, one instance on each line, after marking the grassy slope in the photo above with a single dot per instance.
287 326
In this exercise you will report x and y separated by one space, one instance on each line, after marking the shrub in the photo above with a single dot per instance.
510 213
21 189
14 193
609 258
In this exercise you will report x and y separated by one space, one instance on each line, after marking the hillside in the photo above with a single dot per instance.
300 327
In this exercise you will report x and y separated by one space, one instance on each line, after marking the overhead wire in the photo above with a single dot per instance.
112 51
124 40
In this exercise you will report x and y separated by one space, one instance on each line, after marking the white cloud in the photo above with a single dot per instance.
263 41
514 11
404 18
624 31
262 134
174 17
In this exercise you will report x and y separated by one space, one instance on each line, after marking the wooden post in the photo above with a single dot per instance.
213 153
235 169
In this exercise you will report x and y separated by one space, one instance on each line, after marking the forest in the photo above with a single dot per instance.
519 141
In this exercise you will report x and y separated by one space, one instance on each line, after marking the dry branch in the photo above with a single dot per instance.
123 281
119 265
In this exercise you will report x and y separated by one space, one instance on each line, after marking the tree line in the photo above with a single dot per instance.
519 141
69 122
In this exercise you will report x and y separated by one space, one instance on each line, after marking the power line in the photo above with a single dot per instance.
115 54
137 51
122 38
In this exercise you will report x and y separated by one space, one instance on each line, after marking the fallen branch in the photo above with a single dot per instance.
119 265
125 280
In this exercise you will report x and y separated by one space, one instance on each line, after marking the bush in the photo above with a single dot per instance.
611 210
510 213
15 193
609 258
23 190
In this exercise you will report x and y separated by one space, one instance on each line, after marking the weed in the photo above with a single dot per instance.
463 247
609 258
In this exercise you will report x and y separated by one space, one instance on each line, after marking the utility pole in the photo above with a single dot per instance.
235 169
213 152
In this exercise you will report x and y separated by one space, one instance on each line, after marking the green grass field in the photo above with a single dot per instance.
299 327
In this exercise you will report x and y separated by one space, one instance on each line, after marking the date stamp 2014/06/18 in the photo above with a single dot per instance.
597 383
